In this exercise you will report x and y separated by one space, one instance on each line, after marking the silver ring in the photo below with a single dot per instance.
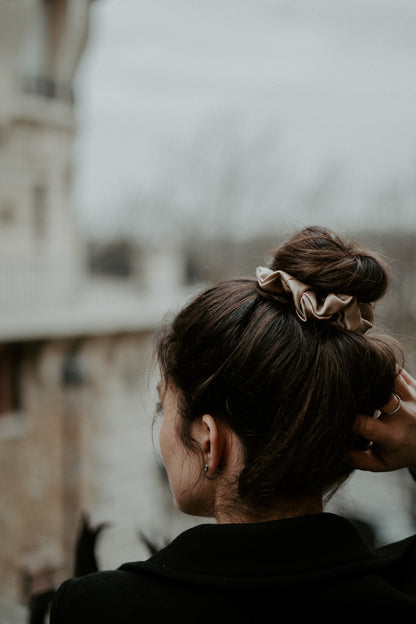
396 409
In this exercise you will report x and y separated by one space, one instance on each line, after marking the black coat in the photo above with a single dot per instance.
290 570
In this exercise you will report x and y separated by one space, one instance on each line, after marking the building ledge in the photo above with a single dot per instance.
102 307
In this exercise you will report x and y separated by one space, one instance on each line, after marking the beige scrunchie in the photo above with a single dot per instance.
342 310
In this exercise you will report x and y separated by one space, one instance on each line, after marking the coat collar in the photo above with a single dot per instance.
306 548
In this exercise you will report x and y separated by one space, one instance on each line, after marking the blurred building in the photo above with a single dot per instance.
40 46
75 420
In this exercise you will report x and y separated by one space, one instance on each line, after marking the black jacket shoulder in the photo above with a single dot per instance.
312 566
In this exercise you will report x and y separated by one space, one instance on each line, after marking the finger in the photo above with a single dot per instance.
365 460
366 426
406 382
402 387
373 429
408 378
392 405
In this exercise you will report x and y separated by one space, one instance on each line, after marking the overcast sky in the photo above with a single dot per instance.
296 98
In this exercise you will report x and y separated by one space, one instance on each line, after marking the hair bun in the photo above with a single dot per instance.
321 259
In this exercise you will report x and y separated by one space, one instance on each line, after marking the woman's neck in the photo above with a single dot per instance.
233 515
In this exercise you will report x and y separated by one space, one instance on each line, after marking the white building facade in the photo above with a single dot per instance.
41 42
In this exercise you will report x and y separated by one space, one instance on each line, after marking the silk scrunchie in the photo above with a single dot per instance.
341 310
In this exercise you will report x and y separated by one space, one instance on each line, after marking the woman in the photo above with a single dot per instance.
261 384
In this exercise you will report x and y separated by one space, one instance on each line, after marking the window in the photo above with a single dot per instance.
52 47
35 49
40 213
10 379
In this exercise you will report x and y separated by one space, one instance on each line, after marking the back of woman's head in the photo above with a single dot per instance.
290 389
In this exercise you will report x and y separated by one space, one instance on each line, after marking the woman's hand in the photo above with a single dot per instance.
393 436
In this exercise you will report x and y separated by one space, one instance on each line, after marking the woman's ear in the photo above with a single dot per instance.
213 442
220 446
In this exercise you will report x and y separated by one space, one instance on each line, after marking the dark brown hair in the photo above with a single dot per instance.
289 389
